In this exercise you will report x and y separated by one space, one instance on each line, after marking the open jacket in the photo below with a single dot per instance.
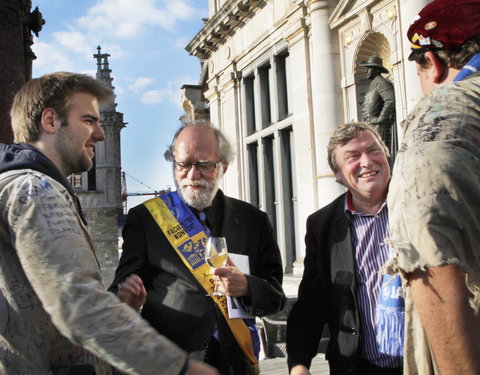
176 304
327 294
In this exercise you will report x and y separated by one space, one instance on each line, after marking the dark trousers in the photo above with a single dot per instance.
367 368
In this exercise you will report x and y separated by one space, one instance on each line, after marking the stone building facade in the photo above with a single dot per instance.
278 76
99 189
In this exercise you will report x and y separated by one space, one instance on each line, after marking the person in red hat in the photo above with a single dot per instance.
434 195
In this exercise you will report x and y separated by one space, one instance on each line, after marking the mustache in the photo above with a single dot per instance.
187 182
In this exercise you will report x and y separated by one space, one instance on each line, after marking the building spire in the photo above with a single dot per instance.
103 74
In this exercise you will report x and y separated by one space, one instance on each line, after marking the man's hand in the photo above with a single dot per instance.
132 292
199 368
231 280
299 370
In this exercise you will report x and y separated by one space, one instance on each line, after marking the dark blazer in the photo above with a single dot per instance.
176 304
327 294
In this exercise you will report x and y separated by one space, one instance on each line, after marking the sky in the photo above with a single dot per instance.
146 40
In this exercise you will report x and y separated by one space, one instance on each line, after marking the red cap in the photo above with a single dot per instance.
445 24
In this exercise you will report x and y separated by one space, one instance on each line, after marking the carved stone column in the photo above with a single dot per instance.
325 91
16 24
410 9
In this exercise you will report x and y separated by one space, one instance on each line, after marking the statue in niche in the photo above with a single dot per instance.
379 105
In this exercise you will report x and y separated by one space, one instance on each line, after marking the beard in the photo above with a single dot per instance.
201 198
74 158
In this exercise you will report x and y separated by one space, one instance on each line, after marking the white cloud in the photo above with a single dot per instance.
54 57
140 83
50 59
181 9
74 41
104 23
126 19
153 96
171 94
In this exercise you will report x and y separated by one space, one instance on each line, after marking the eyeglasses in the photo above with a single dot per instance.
202 166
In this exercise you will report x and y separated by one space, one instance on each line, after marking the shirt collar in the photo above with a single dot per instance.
348 206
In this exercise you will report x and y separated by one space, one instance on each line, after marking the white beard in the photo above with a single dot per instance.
198 199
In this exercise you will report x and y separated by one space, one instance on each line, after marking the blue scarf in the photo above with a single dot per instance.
390 316
472 66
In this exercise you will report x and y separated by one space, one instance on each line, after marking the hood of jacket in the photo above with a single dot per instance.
25 156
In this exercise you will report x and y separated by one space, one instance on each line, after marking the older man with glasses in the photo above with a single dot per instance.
162 265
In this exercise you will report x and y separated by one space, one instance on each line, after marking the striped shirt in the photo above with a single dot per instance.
371 253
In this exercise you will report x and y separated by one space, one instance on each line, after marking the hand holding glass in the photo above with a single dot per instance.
216 255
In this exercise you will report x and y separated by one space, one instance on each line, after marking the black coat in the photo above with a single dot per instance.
327 294
176 304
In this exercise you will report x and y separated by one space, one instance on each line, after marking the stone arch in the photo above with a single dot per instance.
376 44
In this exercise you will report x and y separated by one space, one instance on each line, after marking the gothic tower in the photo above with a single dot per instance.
17 23
99 189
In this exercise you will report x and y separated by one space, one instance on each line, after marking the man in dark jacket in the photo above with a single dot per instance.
345 250
166 257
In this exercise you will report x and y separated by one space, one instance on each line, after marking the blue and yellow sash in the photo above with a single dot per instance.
186 235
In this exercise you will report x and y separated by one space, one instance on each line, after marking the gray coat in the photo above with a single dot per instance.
52 301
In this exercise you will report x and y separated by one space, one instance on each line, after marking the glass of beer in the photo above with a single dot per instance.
216 255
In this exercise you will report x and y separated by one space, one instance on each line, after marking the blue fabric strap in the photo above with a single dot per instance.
472 66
